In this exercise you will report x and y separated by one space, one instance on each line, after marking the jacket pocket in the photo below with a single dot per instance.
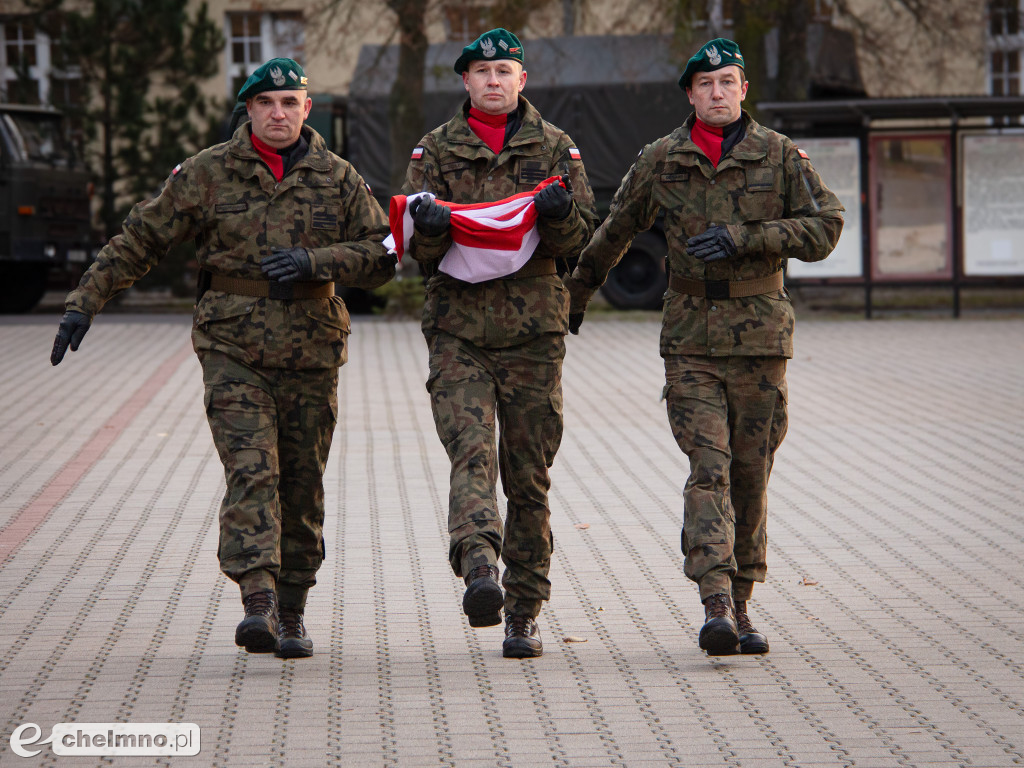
227 319
331 314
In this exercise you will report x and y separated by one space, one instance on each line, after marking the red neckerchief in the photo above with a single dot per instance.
273 160
490 128
708 138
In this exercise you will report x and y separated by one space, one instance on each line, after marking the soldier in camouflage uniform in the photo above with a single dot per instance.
496 346
738 200
277 220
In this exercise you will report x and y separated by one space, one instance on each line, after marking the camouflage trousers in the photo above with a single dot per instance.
728 415
516 392
273 429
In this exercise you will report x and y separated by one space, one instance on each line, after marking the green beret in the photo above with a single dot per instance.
497 44
275 75
713 55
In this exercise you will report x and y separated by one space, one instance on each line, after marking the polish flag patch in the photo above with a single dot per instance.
574 153
802 153
417 153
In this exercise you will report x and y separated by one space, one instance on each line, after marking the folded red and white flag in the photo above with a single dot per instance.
489 240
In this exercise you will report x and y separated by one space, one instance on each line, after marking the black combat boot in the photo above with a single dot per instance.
751 641
292 640
483 599
257 632
522 638
719 635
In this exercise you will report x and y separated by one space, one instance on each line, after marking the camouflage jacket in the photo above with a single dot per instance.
226 199
775 207
457 166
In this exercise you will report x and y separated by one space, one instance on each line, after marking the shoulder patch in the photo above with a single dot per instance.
417 153
574 153
367 187
802 153
176 170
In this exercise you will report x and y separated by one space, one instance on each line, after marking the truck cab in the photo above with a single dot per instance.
44 206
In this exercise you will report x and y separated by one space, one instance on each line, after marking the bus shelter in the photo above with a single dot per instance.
933 189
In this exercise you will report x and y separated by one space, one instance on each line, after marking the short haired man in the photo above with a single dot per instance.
277 220
738 201
496 345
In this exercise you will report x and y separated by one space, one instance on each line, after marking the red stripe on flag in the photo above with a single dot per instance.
474 235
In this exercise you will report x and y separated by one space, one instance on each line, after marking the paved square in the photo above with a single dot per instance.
894 603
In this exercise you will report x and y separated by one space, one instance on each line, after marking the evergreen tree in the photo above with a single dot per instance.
142 111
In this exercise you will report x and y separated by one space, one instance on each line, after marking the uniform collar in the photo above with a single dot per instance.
530 130
240 149
751 145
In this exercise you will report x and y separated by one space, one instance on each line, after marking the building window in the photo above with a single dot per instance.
34 65
1006 73
1004 17
65 91
20 44
1006 46
254 38
21 71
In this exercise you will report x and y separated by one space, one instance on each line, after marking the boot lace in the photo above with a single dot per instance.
743 620
482 572
291 623
519 626
261 604
717 606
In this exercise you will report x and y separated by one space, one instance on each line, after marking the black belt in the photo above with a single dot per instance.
271 289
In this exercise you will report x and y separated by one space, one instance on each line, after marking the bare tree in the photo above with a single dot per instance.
914 36
921 35
408 20
405 107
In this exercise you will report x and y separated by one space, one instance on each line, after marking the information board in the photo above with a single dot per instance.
993 185
837 161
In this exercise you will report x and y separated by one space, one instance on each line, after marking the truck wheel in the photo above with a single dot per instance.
638 280
21 286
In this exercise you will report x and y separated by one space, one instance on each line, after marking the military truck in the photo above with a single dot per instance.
44 206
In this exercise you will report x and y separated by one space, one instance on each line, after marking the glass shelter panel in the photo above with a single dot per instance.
911 201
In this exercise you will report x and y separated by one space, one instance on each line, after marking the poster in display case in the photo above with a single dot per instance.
993 204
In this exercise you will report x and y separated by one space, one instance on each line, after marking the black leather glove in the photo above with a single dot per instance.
579 297
429 217
72 328
287 264
555 200
714 244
